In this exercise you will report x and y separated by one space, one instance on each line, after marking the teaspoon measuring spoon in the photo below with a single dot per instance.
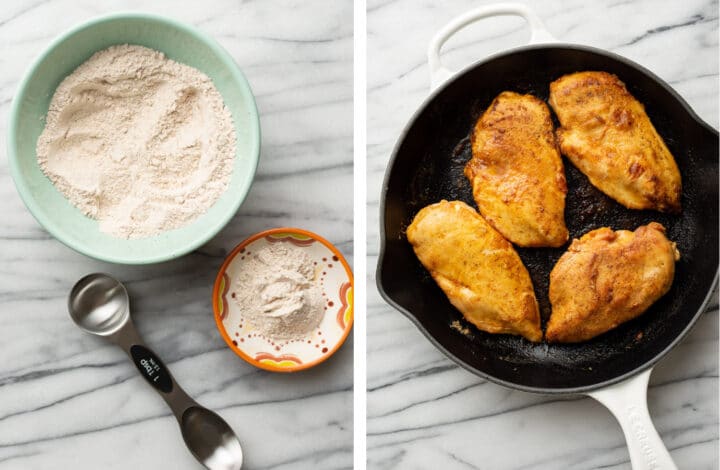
99 304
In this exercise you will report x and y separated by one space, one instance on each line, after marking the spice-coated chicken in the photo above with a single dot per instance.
607 135
516 172
479 271
607 278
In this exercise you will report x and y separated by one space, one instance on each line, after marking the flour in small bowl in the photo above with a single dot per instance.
277 293
137 141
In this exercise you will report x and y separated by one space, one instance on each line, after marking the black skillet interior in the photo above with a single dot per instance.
428 166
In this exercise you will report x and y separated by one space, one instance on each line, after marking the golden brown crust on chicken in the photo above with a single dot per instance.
479 271
607 134
516 171
607 278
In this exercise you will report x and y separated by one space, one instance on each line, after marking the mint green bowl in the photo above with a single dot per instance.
178 42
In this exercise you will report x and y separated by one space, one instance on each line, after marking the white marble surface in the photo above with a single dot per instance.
68 400
425 412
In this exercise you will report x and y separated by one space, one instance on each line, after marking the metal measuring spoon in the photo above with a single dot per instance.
100 305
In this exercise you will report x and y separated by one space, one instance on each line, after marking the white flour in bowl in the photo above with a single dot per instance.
137 141
277 293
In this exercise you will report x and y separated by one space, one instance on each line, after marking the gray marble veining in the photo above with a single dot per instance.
68 400
426 412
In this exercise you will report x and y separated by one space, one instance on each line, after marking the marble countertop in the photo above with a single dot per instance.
68 400
423 410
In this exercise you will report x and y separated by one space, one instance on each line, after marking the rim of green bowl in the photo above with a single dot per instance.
47 223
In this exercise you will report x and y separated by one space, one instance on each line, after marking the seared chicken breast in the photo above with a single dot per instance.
606 278
478 270
516 172
607 135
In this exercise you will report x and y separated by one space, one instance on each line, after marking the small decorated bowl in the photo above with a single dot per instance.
332 274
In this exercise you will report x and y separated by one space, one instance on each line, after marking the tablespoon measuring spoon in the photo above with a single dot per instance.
99 304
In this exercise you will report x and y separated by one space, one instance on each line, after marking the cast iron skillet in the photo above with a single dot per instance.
427 166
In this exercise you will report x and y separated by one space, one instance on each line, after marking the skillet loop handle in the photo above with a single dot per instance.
628 402
538 33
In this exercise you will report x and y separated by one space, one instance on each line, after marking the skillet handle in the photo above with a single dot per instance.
538 33
628 402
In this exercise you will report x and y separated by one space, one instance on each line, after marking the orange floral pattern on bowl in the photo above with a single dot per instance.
294 238
284 360
346 298
222 301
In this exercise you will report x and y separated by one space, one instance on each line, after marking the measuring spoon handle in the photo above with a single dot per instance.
153 369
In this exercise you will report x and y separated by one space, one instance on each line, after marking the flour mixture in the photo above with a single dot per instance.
137 141
276 291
